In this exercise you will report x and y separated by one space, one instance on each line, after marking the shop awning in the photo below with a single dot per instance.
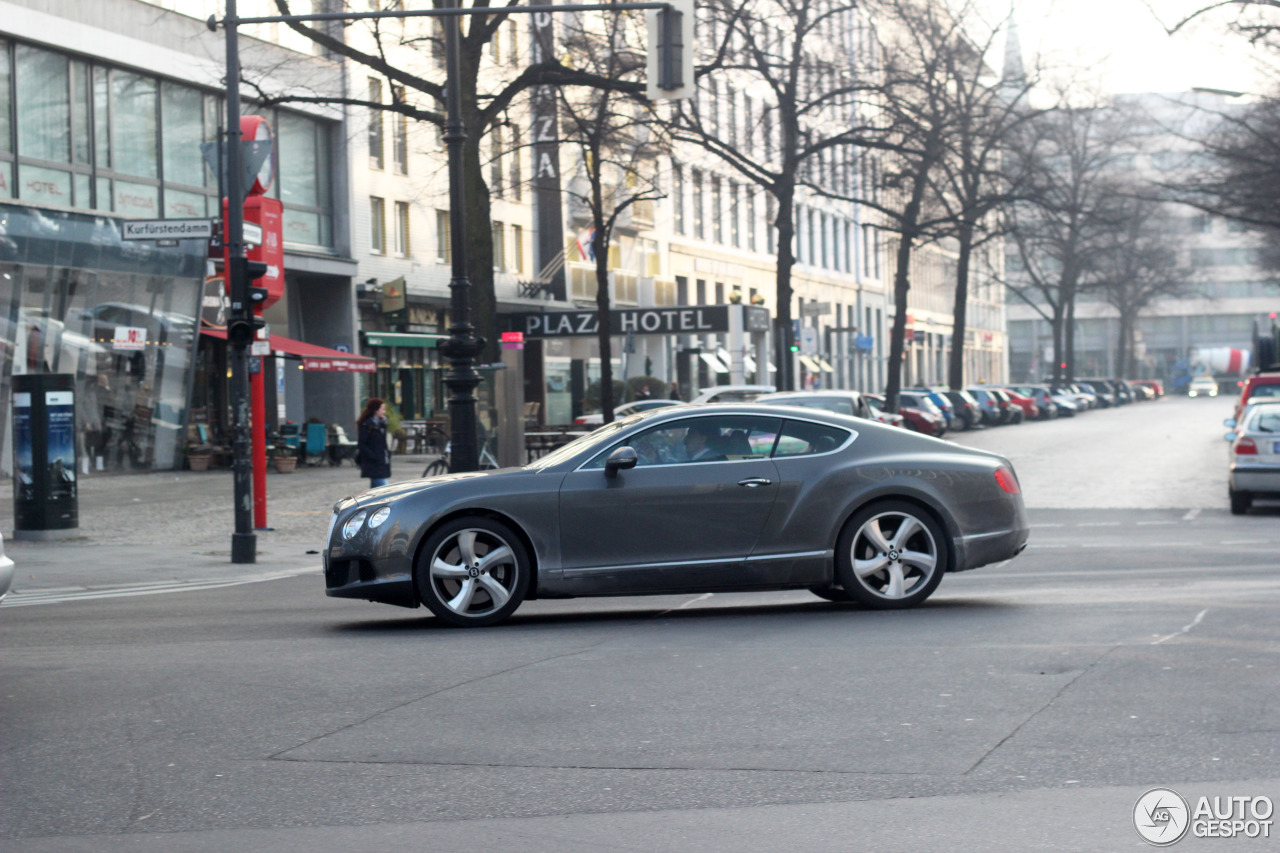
403 339
824 364
313 357
713 362
810 364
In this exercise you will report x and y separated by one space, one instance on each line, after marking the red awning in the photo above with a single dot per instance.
313 357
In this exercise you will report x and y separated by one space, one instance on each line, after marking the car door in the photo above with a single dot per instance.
672 522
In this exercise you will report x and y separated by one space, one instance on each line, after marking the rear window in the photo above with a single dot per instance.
1272 390
1266 420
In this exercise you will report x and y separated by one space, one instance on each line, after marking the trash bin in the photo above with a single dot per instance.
45 503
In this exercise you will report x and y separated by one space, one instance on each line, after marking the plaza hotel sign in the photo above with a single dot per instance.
704 319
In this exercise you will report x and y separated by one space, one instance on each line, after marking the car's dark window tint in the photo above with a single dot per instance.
721 438
1266 391
840 406
802 437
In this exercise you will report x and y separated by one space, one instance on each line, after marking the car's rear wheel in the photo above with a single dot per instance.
1240 501
473 571
891 555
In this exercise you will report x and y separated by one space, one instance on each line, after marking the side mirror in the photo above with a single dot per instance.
1229 423
620 460
1231 436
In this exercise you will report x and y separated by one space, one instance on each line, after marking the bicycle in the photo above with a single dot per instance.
439 466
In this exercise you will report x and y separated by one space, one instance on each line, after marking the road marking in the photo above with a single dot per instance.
1098 524
1191 514
17 598
1149 523
1185 628
1048 525
1245 542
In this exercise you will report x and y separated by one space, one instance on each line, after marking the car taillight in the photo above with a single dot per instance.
1246 447
1007 481
579 420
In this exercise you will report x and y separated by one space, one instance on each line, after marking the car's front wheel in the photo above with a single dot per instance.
473 571
891 555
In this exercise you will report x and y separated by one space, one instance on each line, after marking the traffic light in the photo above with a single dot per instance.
670 55
795 348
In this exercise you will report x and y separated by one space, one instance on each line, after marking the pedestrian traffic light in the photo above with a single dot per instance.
795 348
670 54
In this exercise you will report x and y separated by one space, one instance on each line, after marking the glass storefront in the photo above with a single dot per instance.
70 292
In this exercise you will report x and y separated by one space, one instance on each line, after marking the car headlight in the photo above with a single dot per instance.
379 516
353 525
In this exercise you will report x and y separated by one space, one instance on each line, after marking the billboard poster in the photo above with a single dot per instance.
60 411
23 464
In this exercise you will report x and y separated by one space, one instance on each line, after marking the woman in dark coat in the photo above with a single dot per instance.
372 451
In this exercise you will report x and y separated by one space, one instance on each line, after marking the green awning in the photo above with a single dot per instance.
402 339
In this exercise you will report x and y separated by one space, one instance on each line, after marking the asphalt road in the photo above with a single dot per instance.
1025 707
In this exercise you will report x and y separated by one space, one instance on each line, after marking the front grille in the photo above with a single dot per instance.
336 573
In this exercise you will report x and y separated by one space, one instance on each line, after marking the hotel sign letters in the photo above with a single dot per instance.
641 321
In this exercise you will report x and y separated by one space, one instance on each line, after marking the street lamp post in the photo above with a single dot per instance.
244 542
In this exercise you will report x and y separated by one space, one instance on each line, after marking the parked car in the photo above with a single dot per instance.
988 404
1203 386
847 508
732 393
910 401
1101 391
966 409
1258 386
1010 412
876 405
941 401
1081 398
1030 410
1043 399
6 571
596 418
1155 385
841 402
1254 468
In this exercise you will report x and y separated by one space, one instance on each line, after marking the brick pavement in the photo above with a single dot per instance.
175 527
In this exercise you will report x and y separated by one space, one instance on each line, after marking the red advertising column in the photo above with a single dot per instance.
268 214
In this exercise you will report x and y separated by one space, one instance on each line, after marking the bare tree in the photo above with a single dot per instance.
418 89
794 63
1056 233
1137 263
619 142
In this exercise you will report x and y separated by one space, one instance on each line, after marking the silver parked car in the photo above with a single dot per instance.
1255 456
732 497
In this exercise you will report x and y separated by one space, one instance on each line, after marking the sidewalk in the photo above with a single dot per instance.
167 528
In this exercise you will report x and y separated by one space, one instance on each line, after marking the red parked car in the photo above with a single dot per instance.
915 419
1030 411
1259 385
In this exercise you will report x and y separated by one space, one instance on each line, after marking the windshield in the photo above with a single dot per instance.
576 446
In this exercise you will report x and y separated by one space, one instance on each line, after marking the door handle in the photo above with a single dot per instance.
755 482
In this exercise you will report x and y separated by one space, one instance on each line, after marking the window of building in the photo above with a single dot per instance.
495 161
444 246
517 176
735 238
402 229
677 197
377 225
751 217
499 246
517 248
375 124
717 215
698 230
400 136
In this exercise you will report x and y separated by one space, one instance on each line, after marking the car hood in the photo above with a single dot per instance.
394 491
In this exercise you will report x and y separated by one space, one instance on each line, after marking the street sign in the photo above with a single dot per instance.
815 309
809 340
166 229
253 233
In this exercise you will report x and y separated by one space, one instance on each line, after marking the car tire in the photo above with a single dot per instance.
472 572
870 549
1240 501
831 593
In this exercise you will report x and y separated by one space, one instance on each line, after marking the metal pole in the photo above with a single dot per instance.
244 543
463 345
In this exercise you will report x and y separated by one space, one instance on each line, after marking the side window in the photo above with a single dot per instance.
1267 421
724 438
800 438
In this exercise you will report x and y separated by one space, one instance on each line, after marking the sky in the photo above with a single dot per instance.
1123 43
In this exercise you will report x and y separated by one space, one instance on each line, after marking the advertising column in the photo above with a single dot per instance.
45 503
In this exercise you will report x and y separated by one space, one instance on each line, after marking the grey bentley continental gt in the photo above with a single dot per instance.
721 498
